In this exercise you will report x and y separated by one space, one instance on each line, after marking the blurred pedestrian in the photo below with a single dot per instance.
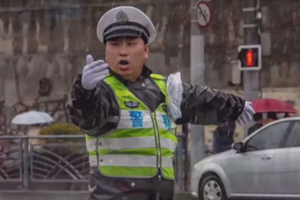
223 137
271 116
258 118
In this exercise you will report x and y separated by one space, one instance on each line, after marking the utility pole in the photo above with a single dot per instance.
197 137
251 78
251 36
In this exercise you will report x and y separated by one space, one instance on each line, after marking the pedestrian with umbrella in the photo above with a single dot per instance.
35 121
272 107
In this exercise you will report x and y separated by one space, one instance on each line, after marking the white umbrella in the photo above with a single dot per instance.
32 117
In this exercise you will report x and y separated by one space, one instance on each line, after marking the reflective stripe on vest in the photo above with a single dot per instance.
142 142
129 143
129 161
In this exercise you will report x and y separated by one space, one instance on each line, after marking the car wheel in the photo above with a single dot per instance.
211 188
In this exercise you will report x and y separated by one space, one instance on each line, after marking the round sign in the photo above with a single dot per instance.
203 14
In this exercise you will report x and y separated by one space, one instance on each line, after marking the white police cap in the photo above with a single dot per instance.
125 21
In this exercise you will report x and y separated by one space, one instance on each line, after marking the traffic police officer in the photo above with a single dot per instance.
129 114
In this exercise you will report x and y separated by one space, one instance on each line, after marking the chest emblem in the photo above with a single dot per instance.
131 104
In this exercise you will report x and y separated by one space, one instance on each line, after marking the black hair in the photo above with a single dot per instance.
272 115
257 117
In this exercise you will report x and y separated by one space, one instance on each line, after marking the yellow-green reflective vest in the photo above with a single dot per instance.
143 141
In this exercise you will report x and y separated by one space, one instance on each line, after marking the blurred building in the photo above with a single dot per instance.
49 39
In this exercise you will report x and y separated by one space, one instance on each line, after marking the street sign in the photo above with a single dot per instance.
203 14
249 57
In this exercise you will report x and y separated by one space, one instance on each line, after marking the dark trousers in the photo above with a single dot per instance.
110 188
130 196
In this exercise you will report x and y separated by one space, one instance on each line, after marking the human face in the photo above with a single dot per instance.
127 56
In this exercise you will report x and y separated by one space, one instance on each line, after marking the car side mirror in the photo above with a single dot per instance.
238 146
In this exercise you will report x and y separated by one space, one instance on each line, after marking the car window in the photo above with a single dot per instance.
268 138
294 137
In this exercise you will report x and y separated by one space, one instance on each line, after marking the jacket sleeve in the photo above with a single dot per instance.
90 109
204 106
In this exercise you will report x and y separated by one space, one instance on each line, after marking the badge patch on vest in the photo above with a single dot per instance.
137 118
167 122
131 104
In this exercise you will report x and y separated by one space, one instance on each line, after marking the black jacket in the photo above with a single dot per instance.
223 137
91 110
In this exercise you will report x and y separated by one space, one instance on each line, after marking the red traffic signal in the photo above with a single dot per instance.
249 57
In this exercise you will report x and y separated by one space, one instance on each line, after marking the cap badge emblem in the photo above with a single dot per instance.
122 17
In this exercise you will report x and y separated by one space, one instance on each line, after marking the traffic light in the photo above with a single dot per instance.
249 57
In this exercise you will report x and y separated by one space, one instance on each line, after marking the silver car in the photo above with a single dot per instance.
264 165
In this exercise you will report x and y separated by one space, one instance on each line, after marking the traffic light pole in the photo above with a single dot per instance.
197 138
251 78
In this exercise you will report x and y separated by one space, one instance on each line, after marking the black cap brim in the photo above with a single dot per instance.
120 35
123 34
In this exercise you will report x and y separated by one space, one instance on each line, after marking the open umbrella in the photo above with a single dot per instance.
32 117
272 105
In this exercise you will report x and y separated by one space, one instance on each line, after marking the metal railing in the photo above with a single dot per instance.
58 163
